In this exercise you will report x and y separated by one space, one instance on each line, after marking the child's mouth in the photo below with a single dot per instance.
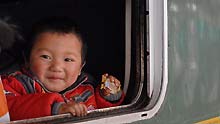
55 78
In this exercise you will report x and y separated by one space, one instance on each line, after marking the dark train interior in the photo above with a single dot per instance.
102 24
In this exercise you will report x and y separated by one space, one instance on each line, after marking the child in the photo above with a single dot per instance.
52 82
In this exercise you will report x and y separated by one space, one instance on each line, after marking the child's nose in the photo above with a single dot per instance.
56 66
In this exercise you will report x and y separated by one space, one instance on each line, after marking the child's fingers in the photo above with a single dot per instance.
72 111
76 109
106 91
67 108
112 78
117 83
84 110
80 109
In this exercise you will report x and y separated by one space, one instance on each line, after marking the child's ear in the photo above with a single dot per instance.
83 64
82 67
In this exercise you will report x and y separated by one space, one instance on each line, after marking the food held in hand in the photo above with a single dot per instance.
108 87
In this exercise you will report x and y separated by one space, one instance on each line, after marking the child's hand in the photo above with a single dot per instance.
76 109
110 85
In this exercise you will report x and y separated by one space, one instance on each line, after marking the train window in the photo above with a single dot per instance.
121 40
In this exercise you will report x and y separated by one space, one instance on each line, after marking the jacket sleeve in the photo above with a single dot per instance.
31 105
22 105
104 103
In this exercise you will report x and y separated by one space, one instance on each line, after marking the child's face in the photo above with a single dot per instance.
56 60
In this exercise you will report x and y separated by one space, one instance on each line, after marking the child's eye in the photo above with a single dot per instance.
45 56
68 60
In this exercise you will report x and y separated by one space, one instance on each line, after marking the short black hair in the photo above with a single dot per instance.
55 24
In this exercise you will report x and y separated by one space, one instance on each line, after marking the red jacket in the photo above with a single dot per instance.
27 98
